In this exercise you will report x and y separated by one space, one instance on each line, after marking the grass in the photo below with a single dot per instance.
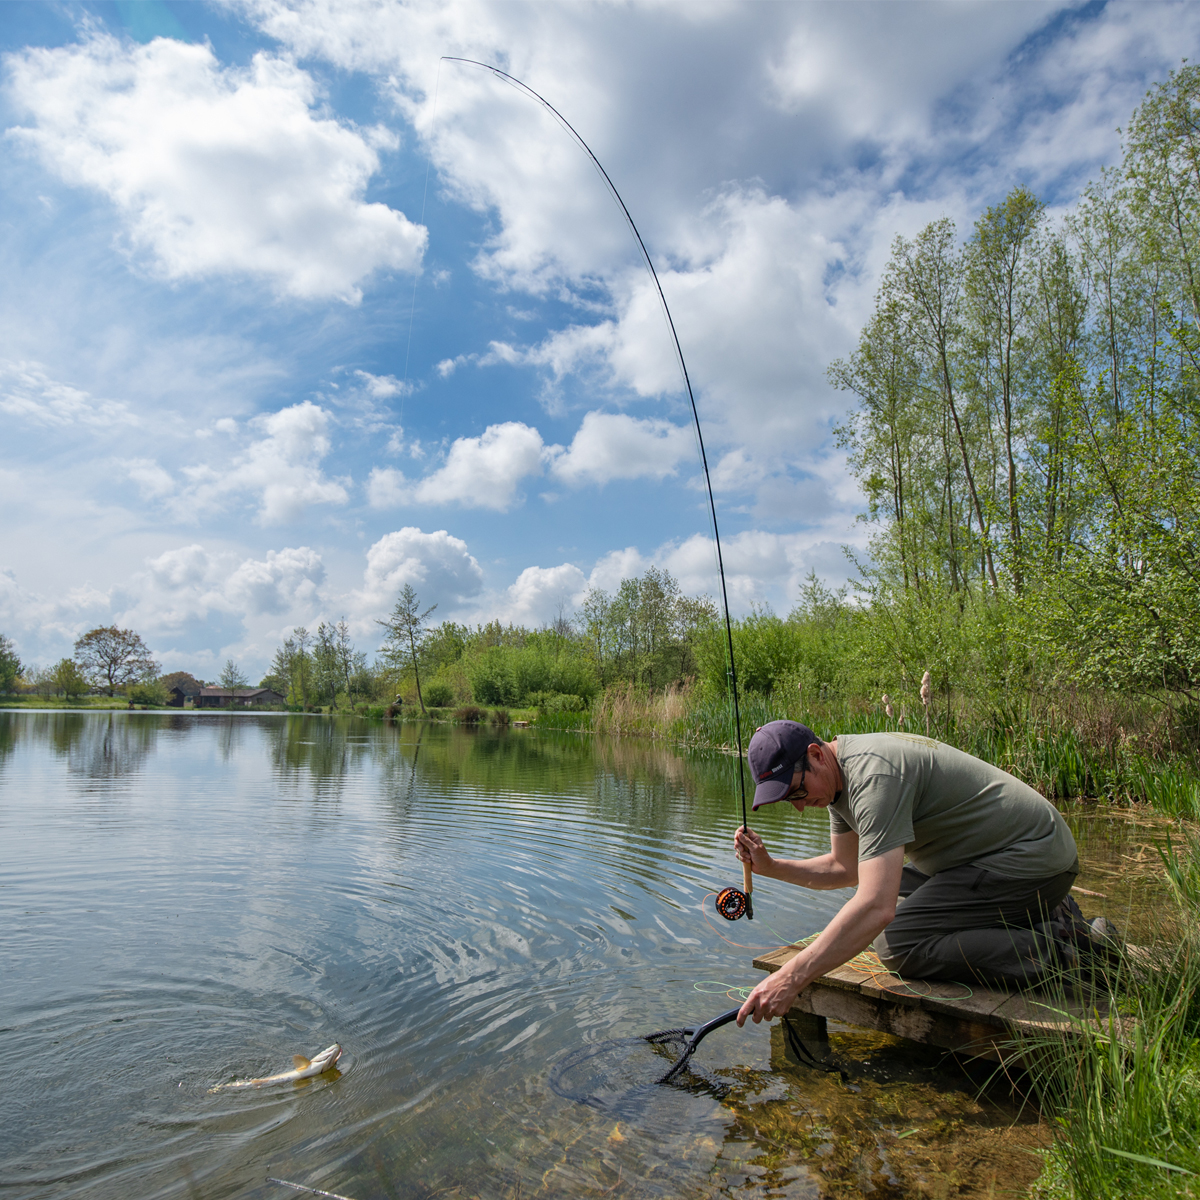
100 702
1124 1094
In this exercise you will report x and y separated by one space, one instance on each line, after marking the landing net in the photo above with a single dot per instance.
612 1073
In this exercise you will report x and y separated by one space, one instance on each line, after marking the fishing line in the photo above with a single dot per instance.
734 909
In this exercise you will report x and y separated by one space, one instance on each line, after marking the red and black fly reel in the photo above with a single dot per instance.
732 904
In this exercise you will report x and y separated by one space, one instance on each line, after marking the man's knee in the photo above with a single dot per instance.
890 955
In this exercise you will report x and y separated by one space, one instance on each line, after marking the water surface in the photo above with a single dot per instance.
188 899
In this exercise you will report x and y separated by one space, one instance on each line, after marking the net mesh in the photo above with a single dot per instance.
612 1073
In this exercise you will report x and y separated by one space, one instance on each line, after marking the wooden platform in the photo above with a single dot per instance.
980 1025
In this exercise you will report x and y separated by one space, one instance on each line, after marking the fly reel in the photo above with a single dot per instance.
733 904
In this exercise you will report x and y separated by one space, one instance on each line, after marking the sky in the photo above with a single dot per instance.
296 311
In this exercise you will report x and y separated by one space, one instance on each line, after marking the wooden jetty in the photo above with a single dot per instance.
982 1024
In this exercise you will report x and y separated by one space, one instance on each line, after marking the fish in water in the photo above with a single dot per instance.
304 1068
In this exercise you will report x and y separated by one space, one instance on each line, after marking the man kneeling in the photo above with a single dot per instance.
990 861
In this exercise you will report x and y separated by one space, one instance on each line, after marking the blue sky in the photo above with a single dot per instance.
295 313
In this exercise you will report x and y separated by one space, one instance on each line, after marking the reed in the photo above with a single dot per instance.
1124 1092
629 709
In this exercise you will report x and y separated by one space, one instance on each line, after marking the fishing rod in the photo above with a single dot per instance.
731 903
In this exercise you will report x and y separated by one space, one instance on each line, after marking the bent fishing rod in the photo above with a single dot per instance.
731 903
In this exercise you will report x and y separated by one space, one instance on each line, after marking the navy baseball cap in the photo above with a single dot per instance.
775 750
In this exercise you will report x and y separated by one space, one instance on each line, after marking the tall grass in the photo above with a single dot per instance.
1070 748
630 709
1124 1091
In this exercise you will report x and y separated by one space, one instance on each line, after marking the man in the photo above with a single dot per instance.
991 862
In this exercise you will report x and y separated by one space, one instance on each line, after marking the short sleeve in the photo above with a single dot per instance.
838 823
883 807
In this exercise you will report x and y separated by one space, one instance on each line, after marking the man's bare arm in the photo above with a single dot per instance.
837 869
859 922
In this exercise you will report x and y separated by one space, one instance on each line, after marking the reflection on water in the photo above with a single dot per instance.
187 899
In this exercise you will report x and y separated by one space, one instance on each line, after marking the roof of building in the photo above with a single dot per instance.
236 693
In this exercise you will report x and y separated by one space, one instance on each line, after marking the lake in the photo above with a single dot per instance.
189 899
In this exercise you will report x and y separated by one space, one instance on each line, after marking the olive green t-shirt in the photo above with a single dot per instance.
946 808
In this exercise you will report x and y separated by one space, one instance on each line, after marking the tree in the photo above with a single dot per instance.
233 677
10 665
112 657
187 683
69 679
1001 308
406 634
301 663
927 274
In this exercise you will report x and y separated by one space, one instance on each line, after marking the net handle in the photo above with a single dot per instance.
697 1038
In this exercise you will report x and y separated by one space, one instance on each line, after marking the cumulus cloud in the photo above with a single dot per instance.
484 471
286 580
215 170
34 619
438 565
618 446
760 566
487 471
283 468
188 584
539 595
28 391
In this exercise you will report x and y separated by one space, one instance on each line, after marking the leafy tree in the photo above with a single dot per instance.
1001 309
301 663
10 665
112 657
233 677
186 682
69 680
406 635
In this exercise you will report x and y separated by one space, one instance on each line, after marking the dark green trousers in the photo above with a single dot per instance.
971 925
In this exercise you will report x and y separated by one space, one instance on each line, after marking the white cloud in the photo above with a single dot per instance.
485 471
189 584
538 596
383 387
215 170
286 580
387 488
438 565
154 482
34 620
283 468
617 446
760 566
28 390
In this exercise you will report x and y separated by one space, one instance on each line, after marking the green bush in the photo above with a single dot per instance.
150 691
469 714
438 694
508 675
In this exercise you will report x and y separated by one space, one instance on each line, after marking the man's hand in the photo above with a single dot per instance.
772 998
748 846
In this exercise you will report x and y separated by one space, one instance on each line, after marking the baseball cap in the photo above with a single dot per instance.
775 750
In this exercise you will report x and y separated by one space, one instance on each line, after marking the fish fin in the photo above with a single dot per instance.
302 1063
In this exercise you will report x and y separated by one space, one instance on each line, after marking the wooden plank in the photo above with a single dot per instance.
975 1021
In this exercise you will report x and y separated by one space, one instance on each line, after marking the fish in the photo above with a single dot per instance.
304 1068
